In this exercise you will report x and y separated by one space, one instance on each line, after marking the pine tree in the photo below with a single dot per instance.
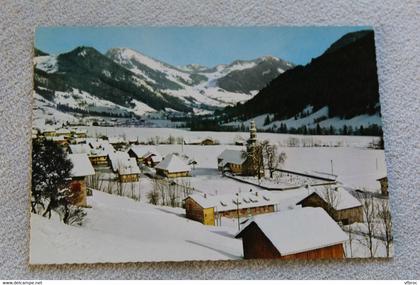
50 180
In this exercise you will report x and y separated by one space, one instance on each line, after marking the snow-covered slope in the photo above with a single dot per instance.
196 84
311 119
119 229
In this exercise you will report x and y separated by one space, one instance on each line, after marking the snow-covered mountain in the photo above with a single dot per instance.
200 86
124 82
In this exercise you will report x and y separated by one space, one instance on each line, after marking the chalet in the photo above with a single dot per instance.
231 160
172 166
116 142
147 155
336 201
60 140
81 169
63 132
208 141
98 157
48 131
384 185
80 148
79 133
207 209
117 159
99 153
128 170
302 233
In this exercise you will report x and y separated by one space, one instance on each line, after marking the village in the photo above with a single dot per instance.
261 199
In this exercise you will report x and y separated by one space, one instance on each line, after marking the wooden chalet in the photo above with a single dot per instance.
82 168
128 170
63 132
336 201
100 149
232 161
79 133
302 233
48 131
147 155
384 185
207 209
172 167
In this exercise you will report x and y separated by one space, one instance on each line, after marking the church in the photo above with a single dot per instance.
247 162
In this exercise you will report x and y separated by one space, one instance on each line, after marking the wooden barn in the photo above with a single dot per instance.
147 155
384 185
81 169
302 233
172 167
336 201
128 171
207 209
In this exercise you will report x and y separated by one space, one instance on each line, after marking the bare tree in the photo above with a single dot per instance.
350 231
254 161
154 194
332 198
384 216
368 207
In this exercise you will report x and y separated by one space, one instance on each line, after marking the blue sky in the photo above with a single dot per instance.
203 45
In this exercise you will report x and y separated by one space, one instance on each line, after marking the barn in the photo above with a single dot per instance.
302 233
81 169
172 166
145 155
336 201
210 209
117 159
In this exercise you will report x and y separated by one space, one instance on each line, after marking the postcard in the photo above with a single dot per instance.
207 143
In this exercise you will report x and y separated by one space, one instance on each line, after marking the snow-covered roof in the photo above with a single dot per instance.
100 147
115 140
62 131
172 163
81 165
48 129
80 131
232 201
128 166
299 230
145 150
231 156
339 197
80 148
117 159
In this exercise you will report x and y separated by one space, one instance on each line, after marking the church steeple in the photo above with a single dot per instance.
252 136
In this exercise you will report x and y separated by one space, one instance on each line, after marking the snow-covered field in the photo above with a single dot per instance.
145 134
118 229
122 229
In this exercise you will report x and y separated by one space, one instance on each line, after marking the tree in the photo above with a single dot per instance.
154 194
369 215
254 164
50 183
384 215
271 156
267 120
332 198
